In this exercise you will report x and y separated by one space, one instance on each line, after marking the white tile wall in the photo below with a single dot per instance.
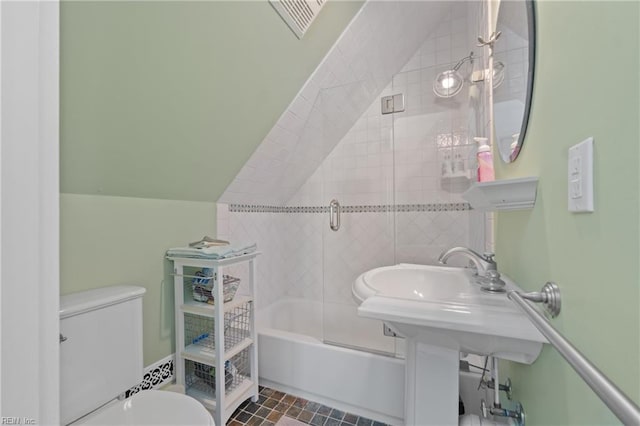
360 169
391 159
302 258
422 237
513 50
262 229
290 263
364 242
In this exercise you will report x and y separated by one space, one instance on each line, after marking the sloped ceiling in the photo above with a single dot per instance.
374 47
169 99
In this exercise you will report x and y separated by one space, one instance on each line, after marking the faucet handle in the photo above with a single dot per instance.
489 257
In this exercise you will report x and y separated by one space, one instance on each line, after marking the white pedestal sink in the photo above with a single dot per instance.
442 312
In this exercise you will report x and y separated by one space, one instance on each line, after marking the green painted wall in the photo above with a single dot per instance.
165 101
586 84
117 240
169 99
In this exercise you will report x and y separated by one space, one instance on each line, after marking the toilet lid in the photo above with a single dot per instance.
151 408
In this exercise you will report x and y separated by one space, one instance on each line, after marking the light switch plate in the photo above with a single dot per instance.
580 177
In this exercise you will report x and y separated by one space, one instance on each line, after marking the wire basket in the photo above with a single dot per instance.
202 286
199 330
202 377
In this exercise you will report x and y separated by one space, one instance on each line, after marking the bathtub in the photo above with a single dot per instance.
293 358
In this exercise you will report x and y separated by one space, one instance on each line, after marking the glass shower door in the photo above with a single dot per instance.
434 165
395 181
357 175
399 177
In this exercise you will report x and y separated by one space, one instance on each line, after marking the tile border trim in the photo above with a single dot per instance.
380 208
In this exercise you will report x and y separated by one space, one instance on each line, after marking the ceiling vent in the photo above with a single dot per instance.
298 14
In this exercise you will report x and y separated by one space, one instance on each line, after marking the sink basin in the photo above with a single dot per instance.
441 312
413 282
444 306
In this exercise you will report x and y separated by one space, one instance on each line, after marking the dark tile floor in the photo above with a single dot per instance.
272 405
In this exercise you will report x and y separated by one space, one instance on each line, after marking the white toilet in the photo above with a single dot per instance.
101 358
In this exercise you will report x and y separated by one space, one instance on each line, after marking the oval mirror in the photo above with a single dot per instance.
514 54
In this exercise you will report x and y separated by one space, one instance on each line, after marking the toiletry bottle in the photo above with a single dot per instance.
458 165
485 161
446 165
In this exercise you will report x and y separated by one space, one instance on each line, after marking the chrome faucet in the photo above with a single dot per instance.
483 263
486 267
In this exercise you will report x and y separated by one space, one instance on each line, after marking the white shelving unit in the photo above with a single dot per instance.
218 337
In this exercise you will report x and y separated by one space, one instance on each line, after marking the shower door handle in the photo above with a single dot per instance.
334 215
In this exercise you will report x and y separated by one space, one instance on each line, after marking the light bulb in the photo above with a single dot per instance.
447 83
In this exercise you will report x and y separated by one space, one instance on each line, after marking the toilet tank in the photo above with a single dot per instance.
100 348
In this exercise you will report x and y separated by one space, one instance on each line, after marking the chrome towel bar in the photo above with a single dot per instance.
619 403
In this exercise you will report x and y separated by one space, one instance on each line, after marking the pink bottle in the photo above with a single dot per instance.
485 161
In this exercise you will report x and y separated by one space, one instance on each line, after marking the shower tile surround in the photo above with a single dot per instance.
385 171
288 225
292 246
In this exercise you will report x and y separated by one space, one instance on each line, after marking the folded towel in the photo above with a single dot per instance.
208 242
213 252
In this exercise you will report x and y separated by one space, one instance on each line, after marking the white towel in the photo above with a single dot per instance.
214 252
